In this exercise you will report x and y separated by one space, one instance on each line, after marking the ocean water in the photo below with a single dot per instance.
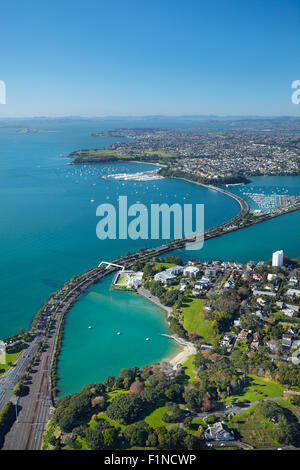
48 224
48 234
259 241
91 354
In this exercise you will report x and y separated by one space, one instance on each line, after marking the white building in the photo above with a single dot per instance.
211 271
277 258
289 312
292 292
219 431
135 279
175 270
191 271
165 278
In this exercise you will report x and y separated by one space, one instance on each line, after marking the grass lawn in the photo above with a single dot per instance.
122 280
161 153
257 388
207 331
161 266
199 421
266 387
10 357
193 314
245 395
154 419
114 394
188 366
112 422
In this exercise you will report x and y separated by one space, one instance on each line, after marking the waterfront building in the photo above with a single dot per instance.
175 270
211 271
191 271
165 278
277 258
135 280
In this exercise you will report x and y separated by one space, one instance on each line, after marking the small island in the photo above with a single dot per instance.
34 131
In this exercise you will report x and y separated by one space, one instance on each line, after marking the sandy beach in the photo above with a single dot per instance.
187 348
181 356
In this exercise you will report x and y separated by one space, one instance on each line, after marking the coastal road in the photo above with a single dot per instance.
145 293
34 409
10 379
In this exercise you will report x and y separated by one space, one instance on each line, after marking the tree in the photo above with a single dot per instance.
125 408
136 387
109 437
174 392
152 440
109 382
94 438
295 400
188 422
193 399
72 411
190 442
174 414
137 434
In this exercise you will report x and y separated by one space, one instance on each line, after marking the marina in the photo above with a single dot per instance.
269 202
151 175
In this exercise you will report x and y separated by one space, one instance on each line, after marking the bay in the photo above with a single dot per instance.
48 234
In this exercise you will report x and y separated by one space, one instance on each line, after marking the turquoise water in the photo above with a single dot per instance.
48 224
91 354
48 234
258 242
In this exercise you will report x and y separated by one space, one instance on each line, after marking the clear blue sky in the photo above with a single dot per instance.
95 57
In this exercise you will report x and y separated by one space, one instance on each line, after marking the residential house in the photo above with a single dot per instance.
218 432
293 292
286 340
244 335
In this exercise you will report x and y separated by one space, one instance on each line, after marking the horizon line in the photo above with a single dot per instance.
207 116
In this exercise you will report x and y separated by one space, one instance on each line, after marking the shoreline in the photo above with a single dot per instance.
82 282
185 350
180 357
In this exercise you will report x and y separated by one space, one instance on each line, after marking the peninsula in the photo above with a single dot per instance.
215 158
